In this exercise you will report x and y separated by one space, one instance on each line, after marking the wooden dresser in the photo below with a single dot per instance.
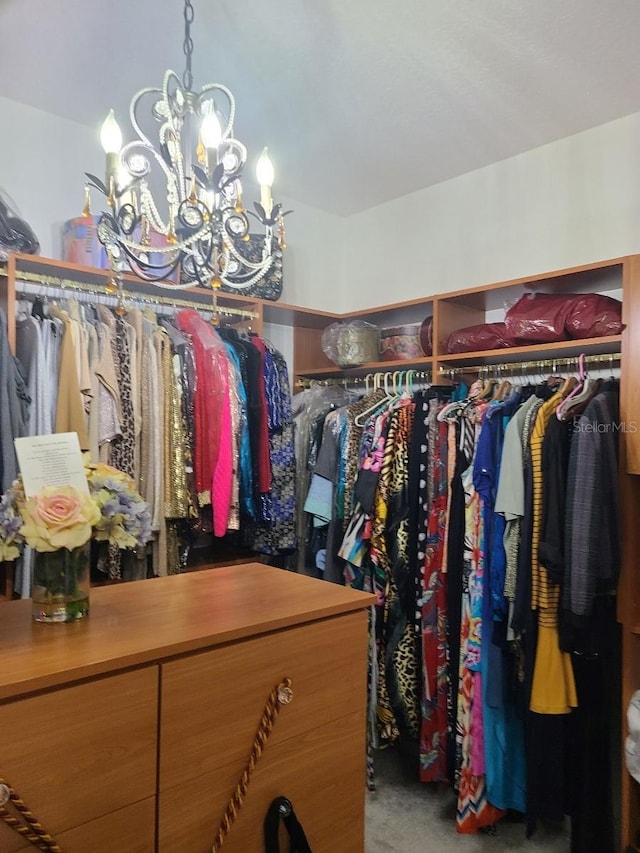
129 732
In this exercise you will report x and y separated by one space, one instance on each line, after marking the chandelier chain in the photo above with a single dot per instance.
187 77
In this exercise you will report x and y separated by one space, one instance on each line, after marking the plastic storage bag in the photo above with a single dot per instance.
479 337
540 318
351 344
15 234
594 316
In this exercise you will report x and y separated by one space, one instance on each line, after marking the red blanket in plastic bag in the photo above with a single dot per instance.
547 317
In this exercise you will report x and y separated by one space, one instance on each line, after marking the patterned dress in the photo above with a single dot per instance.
434 724
398 692
474 810
279 535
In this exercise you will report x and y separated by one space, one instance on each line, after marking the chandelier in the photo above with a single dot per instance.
175 210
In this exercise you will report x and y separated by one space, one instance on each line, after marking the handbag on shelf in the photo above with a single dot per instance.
282 810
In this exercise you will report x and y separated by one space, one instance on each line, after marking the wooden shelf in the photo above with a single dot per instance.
425 363
293 315
535 352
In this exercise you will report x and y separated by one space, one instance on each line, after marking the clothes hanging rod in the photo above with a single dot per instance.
133 295
380 376
556 364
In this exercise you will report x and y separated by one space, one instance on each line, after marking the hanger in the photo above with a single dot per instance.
565 405
450 411
37 309
378 403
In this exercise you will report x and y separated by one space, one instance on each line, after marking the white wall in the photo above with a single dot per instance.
43 159
313 258
571 202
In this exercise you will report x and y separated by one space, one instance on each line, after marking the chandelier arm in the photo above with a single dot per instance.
151 212
241 258
149 90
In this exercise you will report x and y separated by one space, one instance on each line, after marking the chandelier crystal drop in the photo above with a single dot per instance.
175 209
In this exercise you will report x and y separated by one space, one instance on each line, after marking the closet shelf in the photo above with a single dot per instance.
425 363
561 349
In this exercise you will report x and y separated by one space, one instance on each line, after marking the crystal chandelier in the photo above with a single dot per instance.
175 212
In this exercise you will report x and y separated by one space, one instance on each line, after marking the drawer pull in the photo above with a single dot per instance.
31 829
285 695
282 694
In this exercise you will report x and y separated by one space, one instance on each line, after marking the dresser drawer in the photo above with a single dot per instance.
212 702
129 830
81 752
322 771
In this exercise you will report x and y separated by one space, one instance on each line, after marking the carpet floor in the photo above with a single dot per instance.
405 816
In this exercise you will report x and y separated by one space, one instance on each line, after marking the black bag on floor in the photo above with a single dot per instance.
281 809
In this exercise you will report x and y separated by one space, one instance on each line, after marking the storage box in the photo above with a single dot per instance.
401 343
80 244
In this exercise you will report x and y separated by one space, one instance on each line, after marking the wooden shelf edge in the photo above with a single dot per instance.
287 314
425 363
534 352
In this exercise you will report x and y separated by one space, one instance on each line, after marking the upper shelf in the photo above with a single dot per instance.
450 310
535 352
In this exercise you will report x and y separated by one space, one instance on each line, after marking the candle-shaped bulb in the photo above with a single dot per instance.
264 170
111 135
264 173
210 130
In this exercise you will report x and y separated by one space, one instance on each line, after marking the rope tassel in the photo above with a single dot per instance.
280 695
31 829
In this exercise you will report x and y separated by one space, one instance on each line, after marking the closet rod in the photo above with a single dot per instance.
555 364
379 376
134 295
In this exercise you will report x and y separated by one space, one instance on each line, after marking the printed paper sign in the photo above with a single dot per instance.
51 460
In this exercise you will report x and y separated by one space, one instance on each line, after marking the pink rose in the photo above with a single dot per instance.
58 517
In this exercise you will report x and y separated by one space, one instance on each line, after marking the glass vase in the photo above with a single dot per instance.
61 580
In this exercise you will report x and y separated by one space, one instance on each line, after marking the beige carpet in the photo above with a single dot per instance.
404 816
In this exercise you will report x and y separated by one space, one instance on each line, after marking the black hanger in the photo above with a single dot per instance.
37 309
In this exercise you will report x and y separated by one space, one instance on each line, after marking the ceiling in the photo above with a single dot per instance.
359 101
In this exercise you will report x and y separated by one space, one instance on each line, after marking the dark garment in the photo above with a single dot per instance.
278 537
593 745
264 465
418 507
10 408
556 447
592 530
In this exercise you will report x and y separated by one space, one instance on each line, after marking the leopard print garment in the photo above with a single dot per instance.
122 449
398 696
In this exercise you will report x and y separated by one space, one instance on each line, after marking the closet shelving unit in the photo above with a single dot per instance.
455 310
618 277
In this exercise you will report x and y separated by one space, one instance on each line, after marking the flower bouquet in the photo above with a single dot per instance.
59 523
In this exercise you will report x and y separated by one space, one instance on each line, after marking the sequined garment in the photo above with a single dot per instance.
279 537
177 497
